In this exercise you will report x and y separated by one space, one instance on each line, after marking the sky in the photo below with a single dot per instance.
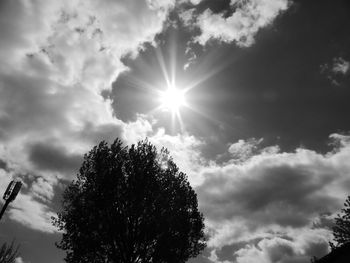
258 118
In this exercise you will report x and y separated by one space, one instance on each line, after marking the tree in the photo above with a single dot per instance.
341 230
8 253
130 205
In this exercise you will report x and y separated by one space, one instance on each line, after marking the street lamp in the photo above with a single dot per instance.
10 194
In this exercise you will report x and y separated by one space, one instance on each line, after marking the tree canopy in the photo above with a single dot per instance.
341 230
8 253
129 205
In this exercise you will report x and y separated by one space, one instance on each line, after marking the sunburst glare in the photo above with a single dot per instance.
171 86
172 99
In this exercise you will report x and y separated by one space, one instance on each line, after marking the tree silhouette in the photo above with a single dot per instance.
8 253
130 205
341 230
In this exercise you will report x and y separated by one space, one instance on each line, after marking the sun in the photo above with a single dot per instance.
172 99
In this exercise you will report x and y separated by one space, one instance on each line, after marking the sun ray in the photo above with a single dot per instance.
173 59
163 67
171 96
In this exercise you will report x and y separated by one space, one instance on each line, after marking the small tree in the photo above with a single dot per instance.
130 205
8 253
341 230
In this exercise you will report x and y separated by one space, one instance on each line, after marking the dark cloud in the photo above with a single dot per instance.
324 220
106 132
30 104
46 156
276 193
317 249
228 252
279 252
3 165
14 33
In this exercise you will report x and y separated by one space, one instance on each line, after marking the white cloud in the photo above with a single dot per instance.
19 260
336 70
279 249
195 2
58 56
185 150
240 27
296 248
43 189
55 80
137 130
32 213
243 150
161 5
278 198
340 66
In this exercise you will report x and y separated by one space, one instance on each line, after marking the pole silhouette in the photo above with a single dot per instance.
10 194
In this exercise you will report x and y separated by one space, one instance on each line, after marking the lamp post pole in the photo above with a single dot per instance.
10 194
4 208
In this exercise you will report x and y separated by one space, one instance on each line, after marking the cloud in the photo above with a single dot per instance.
31 213
284 250
195 2
247 18
137 130
340 66
43 189
50 88
57 59
185 150
243 150
336 71
19 260
32 204
50 157
285 200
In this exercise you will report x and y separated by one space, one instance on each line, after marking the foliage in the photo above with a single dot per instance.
8 253
130 205
341 230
